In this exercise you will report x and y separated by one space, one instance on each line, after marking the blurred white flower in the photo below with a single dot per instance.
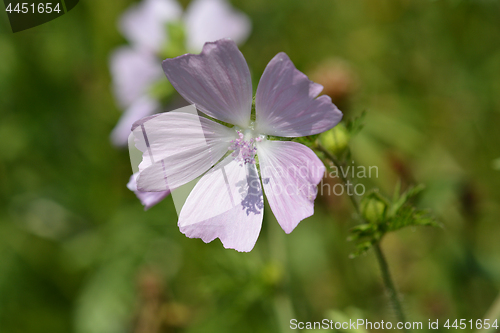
210 20
144 23
135 69
133 72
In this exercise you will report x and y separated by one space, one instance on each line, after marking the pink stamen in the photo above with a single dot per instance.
244 151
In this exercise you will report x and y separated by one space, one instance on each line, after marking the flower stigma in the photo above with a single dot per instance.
244 148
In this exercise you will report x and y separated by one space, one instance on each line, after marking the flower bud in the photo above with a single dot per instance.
336 139
373 208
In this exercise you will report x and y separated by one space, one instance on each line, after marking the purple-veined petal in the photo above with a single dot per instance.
210 20
217 81
133 72
226 203
144 24
148 199
286 103
141 108
177 148
290 173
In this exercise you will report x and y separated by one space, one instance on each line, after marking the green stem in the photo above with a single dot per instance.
384 267
389 284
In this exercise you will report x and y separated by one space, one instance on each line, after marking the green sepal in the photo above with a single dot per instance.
382 216
310 141
361 248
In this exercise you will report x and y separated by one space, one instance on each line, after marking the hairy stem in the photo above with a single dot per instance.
384 267
389 284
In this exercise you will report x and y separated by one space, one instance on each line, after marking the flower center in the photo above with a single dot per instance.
244 147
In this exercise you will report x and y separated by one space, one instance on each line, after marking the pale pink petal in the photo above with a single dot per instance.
217 81
177 148
226 203
210 20
145 24
290 173
133 72
286 103
148 199
141 108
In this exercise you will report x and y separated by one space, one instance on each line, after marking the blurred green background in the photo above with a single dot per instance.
79 254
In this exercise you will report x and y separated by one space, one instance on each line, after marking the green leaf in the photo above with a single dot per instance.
361 248
354 126
410 216
403 213
362 231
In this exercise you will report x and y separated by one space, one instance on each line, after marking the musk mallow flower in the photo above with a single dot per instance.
227 201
